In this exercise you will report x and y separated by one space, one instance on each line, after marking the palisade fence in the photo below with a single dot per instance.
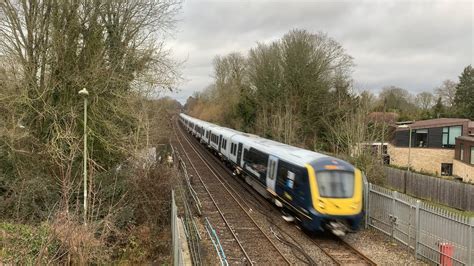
451 193
424 228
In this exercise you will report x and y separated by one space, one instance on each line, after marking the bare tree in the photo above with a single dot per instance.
114 48
447 92
425 100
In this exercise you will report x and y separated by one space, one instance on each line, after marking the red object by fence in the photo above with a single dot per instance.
446 253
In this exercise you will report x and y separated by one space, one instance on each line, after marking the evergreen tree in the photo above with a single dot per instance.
464 99
438 108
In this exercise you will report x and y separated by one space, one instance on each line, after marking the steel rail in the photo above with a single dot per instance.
214 202
340 242
257 206
231 193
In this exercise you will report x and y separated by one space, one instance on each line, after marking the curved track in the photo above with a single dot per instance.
243 239
335 248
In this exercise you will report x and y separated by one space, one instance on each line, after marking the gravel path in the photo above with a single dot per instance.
381 249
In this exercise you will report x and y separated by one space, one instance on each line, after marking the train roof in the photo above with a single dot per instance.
292 154
295 155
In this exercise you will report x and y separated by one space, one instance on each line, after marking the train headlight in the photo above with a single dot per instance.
322 205
355 205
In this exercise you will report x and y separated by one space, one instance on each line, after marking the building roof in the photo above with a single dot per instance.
387 117
438 122
468 138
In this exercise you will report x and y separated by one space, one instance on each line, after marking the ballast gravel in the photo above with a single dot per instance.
381 248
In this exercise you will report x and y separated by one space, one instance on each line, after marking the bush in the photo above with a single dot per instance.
26 244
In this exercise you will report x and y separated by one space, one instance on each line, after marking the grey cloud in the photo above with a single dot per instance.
410 44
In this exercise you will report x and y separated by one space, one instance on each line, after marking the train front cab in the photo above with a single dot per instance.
319 194
336 195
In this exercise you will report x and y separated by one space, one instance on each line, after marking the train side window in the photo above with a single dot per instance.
256 160
287 175
290 179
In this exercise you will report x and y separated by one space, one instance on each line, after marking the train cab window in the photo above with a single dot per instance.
335 184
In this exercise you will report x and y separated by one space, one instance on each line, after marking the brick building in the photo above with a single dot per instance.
443 146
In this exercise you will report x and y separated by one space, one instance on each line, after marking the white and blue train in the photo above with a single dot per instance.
320 191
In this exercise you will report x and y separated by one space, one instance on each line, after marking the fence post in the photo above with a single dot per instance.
471 240
393 218
173 230
417 227
366 202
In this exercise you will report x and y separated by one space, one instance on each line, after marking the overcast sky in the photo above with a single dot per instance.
411 44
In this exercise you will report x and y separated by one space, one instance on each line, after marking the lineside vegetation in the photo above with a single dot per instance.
299 90
49 50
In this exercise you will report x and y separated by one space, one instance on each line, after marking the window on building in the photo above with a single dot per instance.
446 169
472 154
461 152
450 134
421 138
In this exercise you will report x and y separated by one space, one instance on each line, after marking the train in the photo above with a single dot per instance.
319 192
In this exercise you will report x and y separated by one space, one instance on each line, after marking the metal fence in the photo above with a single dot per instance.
176 243
187 198
435 234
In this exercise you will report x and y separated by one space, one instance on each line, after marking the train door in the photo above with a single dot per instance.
220 143
239 154
293 183
272 172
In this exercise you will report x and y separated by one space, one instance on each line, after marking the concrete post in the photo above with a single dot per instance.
471 240
394 215
366 201
174 230
417 227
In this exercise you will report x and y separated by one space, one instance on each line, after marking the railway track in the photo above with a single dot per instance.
242 238
335 248
340 252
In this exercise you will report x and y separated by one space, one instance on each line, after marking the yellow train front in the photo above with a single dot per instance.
325 195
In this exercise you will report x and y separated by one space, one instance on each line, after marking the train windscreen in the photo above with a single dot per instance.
335 184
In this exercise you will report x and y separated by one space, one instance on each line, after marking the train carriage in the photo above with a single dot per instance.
321 192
